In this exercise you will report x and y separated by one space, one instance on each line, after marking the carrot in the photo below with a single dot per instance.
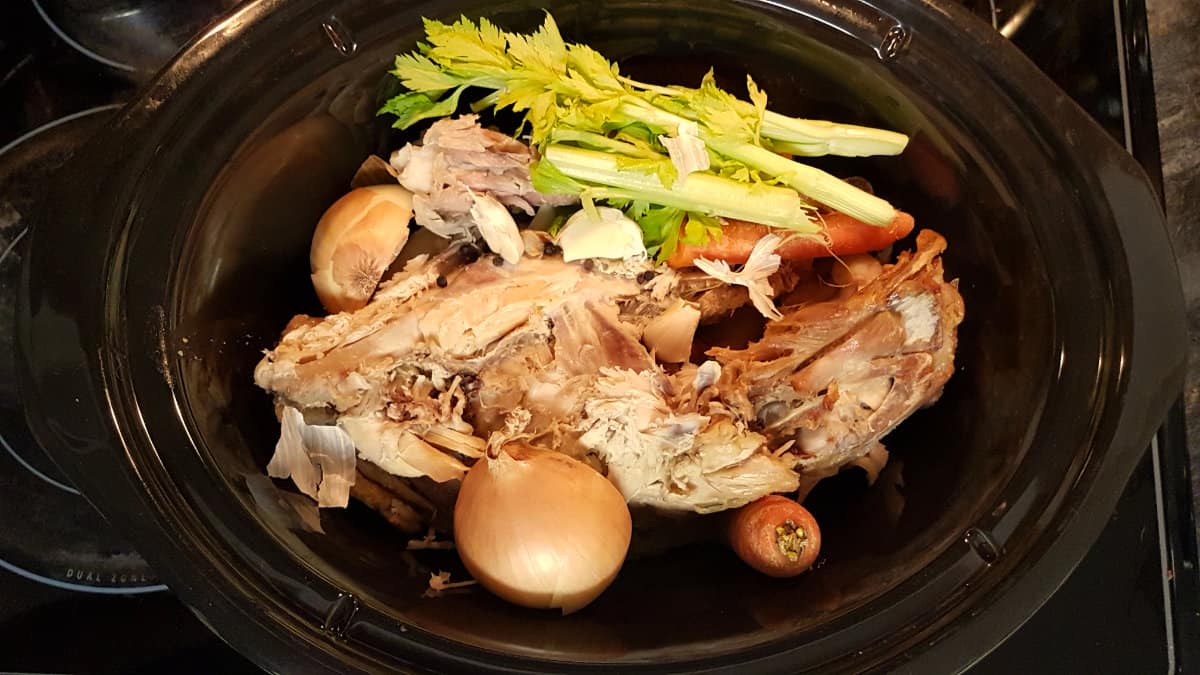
847 236
774 535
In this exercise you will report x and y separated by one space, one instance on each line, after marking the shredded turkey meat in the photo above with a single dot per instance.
451 354
464 178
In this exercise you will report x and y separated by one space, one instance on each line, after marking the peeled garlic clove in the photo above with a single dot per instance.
610 235
535 242
391 447
852 272
355 241
497 226
669 335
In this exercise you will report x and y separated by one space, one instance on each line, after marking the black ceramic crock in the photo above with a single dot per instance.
174 251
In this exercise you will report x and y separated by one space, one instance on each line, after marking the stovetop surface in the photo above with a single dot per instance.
1125 609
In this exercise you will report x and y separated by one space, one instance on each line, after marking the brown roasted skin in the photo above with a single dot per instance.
836 376
718 301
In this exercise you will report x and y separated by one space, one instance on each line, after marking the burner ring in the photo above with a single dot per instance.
34 470
49 534
12 246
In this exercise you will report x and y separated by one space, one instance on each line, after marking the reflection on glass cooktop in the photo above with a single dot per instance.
48 532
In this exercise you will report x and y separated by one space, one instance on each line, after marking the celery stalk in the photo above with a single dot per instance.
703 193
799 149
832 138
800 136
569 93
809 181
589 139
650 114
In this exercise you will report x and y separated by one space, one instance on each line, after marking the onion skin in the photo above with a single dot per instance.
765 535
541 529
356 240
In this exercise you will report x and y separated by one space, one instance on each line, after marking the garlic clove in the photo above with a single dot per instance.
535 242
393 448
497 226
610 235
355 241
852 272
465 444
669 335
414 167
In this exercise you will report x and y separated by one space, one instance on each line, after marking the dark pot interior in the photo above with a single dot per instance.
266 132
244 275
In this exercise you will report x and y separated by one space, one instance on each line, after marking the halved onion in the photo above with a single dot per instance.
355 241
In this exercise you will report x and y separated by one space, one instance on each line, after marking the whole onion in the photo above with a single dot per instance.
541 529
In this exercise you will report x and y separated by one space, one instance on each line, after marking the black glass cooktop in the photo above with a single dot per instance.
75 598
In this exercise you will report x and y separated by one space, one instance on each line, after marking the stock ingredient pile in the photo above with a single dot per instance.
637 309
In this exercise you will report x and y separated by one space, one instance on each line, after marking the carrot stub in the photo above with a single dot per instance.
847 236
774 535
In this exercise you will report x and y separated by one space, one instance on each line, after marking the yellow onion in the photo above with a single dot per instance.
541 529
355 242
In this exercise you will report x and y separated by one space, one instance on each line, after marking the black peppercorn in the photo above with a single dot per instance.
497 261
469 253
441 281
645 277
589 264
551 249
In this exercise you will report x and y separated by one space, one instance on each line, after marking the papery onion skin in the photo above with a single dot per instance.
541 529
